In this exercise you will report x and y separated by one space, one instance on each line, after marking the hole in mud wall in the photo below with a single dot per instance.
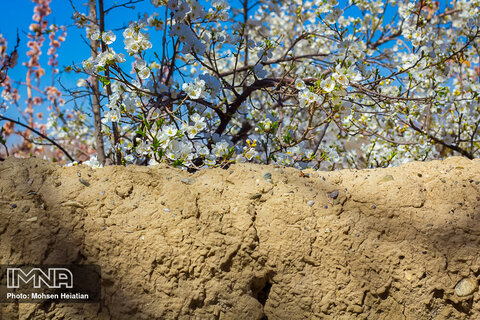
261 289
263 294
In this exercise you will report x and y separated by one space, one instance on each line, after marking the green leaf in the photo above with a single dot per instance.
177 163
231 150
104 81
156 144
287 138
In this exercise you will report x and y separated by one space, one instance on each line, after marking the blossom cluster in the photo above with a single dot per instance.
300 83
333 102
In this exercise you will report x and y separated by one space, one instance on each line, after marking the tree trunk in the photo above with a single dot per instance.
97 117
116 135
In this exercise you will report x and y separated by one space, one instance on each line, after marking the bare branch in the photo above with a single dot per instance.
128 5
40 134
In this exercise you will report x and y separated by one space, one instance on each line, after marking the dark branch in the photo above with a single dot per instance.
257 85
127 5
40 134
463 152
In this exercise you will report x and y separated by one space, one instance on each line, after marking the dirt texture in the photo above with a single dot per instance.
250 241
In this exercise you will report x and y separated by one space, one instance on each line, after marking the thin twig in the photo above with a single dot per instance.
40 134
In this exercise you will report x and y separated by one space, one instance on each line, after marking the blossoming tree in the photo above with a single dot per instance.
66 126
317 83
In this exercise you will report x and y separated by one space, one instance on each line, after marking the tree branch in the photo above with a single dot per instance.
127 5
40 134
233 107
443 143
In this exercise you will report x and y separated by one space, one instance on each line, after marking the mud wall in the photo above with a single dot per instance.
252 241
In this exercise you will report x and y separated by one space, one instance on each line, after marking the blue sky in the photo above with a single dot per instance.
17 15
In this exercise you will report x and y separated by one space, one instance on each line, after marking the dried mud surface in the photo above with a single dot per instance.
242 244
